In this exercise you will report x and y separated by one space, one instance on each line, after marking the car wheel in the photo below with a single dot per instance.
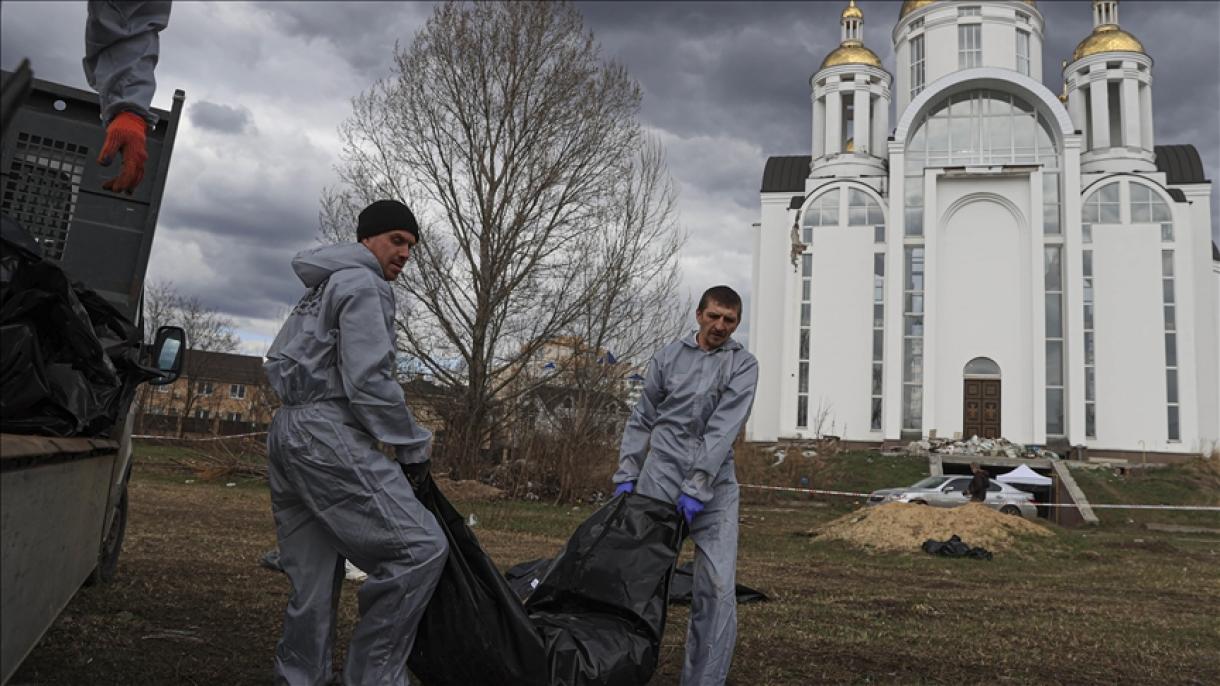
1010 510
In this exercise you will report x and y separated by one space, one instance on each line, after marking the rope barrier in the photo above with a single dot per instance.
787 489
206 438
1108 506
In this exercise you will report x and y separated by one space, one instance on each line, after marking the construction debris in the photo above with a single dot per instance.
981 447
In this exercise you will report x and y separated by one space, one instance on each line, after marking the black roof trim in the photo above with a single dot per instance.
1177 194
1215 252
1181 164
785 174
796 202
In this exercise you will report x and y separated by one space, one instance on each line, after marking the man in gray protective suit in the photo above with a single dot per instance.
122 45
333 493
697 395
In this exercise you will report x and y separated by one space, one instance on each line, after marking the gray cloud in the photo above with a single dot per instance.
725 86
220 118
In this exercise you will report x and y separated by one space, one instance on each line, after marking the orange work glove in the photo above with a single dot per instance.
125 136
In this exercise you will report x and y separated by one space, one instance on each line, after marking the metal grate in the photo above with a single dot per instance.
42 186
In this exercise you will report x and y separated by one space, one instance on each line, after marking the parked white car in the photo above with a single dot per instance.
950 491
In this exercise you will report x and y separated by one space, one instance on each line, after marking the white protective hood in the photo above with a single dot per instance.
1025 476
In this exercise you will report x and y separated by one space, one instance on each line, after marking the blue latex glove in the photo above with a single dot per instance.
688 507
625 487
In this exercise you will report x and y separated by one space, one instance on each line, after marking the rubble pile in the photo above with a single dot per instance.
982 447
898 527
468 489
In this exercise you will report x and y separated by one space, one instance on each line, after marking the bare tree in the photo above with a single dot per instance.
206 330
510 137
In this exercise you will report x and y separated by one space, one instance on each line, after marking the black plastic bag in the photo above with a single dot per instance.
683 584
524 578
955 547
474 630
596 617
602 604
69 361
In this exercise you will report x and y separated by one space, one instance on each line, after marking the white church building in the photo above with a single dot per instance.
1003 260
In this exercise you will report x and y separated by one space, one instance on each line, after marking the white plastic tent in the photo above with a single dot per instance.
1025 476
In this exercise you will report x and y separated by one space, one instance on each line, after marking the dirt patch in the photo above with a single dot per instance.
904 527
467 489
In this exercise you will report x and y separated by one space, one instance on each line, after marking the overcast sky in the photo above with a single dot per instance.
725 86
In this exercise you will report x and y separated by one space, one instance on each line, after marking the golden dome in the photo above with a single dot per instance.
1107 38
909 6
851 11
851 52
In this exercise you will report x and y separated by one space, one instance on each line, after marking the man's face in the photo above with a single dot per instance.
391 249
716 324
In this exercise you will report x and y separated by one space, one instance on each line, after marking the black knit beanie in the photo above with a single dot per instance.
383 216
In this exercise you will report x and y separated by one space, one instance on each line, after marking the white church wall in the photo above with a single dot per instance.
841 363
940 50
1130 340
980 281
999 41
769 287
1207 311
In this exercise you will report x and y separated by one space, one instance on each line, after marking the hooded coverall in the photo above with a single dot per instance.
333 494
121 50
693 406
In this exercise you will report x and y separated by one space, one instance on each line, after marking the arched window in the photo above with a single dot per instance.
981 127
1102 206
1147 207
862 210
981 366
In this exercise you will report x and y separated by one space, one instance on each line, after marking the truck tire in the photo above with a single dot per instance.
112 545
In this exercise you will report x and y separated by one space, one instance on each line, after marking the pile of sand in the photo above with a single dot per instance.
467 489
904 527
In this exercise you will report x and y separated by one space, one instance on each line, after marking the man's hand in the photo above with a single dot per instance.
125 136
625 487
688 507
416 472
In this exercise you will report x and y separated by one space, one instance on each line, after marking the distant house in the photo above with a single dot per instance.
218 394
429 403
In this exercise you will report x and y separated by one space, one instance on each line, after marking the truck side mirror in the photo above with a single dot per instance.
169 354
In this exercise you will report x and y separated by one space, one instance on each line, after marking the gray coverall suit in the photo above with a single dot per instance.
693 406
121 50
333 494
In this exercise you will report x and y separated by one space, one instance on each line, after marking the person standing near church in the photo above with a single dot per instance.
977 490
678 446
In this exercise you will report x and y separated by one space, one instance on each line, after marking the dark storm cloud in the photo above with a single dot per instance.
362 33
741 70
220 118
725 86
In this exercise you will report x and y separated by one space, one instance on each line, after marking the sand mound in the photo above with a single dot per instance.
904 527
467 489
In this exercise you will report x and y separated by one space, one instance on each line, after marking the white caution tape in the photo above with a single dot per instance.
804 490
207 438
1195 508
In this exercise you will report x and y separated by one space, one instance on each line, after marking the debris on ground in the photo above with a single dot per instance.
353 573
896 527
955 547
982 447
468 489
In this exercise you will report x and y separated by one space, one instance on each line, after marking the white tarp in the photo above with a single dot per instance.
1024 475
